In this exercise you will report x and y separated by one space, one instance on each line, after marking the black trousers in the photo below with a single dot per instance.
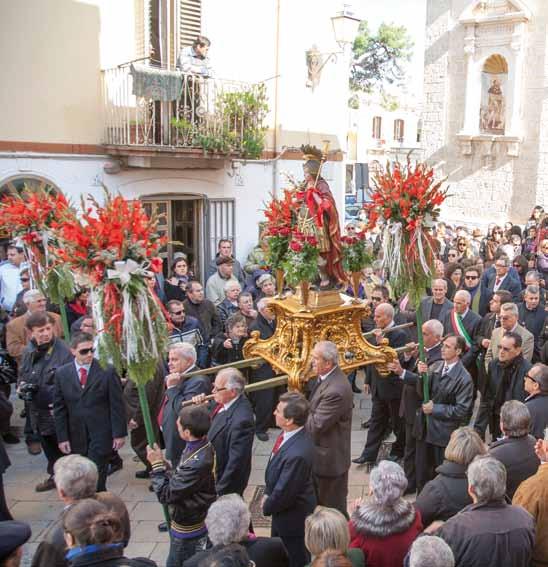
51 450
5 423
409 457
296 549
332 491
101 462
428 458
4 510
384 414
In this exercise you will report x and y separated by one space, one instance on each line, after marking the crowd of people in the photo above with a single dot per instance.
471 455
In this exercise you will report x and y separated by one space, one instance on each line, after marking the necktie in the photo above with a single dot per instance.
160 417
216 410
497 282
83 376
445 371
278 443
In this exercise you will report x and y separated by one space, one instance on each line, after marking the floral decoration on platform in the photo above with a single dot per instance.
301 261
356 252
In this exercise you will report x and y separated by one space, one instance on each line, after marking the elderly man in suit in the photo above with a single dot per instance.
179 389
231 432
88 408
536 386
437 306
289 492
386 393
450 391
499 279
329 424
412 398
509 316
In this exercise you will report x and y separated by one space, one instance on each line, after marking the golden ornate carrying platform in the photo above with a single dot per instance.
299 328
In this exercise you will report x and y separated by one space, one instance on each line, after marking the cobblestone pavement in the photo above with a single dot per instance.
40 509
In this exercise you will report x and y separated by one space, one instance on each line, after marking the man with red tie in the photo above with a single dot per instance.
289 492
88 408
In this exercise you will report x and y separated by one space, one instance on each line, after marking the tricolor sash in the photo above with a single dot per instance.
458 328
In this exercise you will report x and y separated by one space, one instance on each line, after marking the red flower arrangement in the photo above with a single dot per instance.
301 261
356 255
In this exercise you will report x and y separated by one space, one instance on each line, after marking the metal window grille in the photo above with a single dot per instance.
221 223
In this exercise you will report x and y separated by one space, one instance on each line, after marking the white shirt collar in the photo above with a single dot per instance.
289 434
432 347
448 367
230 403
78 366
322 378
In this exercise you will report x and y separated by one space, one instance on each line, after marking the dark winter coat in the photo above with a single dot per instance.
538 408
518 455
490 535
445 495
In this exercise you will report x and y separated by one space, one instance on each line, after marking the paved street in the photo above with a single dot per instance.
40 509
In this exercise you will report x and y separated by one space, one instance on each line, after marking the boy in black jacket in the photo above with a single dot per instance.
189 489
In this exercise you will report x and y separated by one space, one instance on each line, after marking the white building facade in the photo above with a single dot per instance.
56 118
485 121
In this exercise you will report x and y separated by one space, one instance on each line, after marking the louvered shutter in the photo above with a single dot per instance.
190 21
142 28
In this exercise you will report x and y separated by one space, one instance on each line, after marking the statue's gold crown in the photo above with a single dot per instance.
311 152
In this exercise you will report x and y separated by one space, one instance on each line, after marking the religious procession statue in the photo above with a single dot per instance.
318 216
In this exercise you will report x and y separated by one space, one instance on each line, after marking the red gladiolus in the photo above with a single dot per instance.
156 265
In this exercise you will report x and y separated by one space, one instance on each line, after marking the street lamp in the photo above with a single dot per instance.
345 28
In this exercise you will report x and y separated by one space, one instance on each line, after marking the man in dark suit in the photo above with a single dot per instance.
450 391
536 386
412 398
264 401
179 389
437 306
289 493
329 424
231 432
386 393
462 321
88 408
533 317
499 279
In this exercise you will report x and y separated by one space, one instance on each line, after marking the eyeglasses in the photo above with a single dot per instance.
462 243
376 299
176 313
215 389
497 232
85 351
471 277
516 265
453 255
530 378
25 279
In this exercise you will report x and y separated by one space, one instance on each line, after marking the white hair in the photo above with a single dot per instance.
234 379
440 281
76 476
430 551
328 351
231 284
387 482
387 309
465 295
435 327
32 295
510 308
487 478
227 520
187 351
262 303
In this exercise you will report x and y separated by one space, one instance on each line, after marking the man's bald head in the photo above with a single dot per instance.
384 315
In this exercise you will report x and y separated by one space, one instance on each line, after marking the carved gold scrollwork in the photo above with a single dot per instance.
289 350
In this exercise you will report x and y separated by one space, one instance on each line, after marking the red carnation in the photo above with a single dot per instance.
296 246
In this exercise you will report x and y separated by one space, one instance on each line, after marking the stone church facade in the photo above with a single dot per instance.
485 118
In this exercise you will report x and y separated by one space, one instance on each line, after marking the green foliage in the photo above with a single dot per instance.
378 59
356 256
60 284
236 127
301 266
277 251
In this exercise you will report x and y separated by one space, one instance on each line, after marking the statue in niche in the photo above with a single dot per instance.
492 114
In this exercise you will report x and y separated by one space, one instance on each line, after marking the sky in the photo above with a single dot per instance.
409 13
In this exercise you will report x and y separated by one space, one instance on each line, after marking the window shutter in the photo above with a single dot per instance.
142 28
190 21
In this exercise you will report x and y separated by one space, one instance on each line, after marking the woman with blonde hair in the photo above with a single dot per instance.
327 528
447 493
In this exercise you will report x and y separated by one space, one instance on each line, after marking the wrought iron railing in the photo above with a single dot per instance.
146 106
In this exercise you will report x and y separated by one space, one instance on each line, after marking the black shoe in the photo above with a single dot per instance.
114 467
142 474
262 436
361 460
365 424
10 438
355 389
162 527
150 488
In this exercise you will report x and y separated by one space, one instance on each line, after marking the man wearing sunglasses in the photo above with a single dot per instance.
89 411
499 276
536 386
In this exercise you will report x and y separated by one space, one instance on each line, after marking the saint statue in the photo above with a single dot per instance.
318 216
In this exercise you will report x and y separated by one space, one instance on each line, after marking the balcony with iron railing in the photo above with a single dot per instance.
155 112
